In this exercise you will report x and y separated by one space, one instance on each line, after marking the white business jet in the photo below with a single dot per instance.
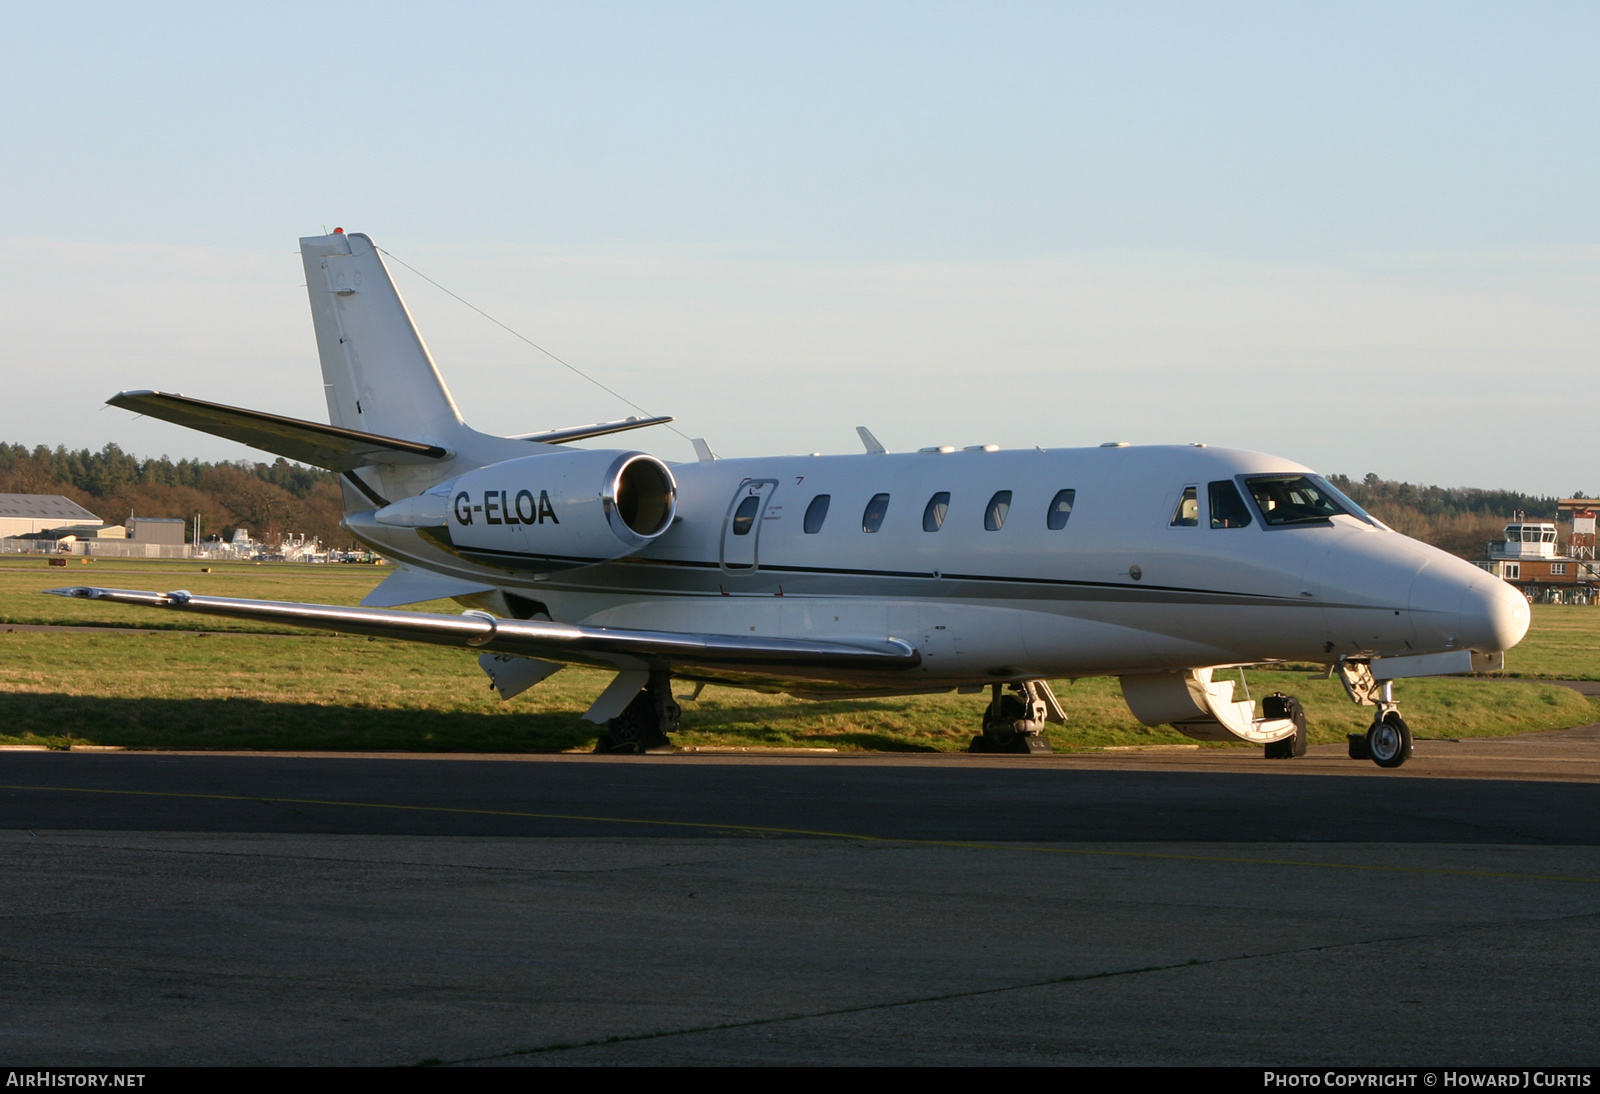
968 569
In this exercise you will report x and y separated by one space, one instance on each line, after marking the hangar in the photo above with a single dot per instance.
21 514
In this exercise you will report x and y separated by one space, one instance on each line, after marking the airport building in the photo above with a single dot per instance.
52 524
1530 556
24 514
168 530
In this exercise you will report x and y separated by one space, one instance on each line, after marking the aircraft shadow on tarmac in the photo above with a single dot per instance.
677 797
258 724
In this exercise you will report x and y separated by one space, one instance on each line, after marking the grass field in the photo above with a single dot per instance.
256 687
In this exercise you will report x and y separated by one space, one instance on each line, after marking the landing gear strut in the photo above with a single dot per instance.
644 724
1014 720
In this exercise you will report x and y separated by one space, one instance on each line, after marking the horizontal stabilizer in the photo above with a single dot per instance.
584 432
415 586
329 446
604 647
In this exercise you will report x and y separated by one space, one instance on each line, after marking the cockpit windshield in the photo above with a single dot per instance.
1300 499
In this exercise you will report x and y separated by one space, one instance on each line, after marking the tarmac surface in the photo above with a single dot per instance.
1155 907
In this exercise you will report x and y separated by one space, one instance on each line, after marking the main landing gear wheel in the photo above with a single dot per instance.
1389 740
644 723
1009 726
1279 705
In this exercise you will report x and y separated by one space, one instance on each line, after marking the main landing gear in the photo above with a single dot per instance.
644 723
1014 720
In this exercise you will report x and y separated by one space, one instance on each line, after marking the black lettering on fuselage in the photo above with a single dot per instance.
463 508
499 507
530 515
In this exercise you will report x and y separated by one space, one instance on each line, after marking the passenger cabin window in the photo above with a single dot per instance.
1294 499
1187 514
1060 509
816 513
994 517
872 516
933 515
745 516
1228 509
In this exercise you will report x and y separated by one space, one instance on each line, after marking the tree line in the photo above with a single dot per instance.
1459 519
266 498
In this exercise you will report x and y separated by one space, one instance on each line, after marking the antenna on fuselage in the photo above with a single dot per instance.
874 446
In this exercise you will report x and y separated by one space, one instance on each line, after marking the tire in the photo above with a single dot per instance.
1389 741
1279 705
1358 746
636 730
1004 726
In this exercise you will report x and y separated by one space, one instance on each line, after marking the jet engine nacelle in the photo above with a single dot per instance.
560 510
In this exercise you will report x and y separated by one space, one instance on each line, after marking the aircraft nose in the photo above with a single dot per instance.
1494 615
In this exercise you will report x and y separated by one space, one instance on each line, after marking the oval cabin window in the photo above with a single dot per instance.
994 517
816 513
745 516
1060 509
877 509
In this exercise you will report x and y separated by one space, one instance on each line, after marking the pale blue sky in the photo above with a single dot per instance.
1362 236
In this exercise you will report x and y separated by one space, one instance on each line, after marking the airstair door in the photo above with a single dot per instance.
741 531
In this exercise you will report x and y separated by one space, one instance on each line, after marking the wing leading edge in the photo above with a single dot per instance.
603 647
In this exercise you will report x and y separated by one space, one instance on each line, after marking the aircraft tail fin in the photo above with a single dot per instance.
377 372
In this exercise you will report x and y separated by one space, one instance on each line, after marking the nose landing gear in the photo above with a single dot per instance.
1387 742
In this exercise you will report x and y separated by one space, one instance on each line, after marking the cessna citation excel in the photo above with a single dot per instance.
967 569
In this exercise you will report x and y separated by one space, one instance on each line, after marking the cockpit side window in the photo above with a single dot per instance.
1060 509
1228 509
1187 514
1294 499
876 510
933 515
816 513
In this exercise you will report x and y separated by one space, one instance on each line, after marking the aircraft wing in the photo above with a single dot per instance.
604 647
329 446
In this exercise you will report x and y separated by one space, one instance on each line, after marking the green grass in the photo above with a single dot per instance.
180 689
1563 643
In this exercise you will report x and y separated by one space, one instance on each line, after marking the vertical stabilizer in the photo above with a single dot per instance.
376 371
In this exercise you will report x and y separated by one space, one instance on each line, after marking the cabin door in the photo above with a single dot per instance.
741 531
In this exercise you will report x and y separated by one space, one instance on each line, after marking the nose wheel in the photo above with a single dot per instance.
1388 742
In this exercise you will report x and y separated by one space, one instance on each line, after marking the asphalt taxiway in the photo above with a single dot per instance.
1139 907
